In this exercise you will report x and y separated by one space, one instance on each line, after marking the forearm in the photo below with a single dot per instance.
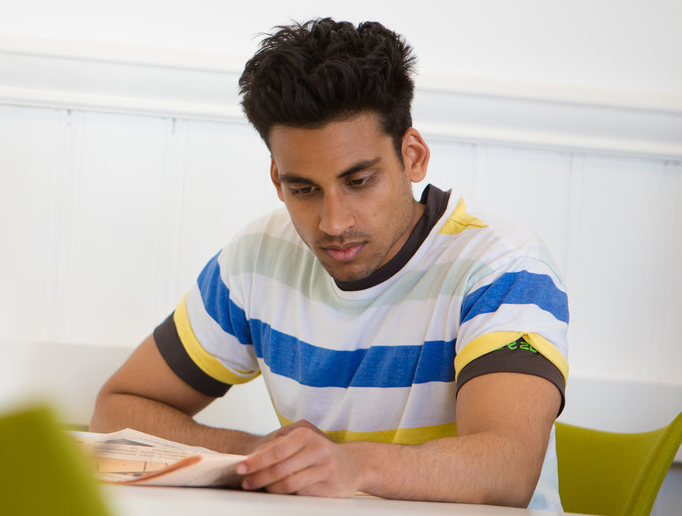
115 411
482 468
496 458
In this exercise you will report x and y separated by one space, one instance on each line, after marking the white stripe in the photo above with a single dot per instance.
354 409
226 348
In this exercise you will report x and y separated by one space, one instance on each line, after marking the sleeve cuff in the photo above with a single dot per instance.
516 357
173 352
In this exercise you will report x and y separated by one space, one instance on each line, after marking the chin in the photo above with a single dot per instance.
349 271
348 275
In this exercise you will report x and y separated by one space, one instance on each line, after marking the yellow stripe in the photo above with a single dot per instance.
460 220
548 351
491 341
206 362
418 435
483 345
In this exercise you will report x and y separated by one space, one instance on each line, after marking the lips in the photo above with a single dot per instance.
344 254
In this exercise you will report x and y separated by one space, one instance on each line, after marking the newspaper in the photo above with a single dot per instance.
132 457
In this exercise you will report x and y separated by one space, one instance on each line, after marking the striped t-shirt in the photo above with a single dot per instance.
381 363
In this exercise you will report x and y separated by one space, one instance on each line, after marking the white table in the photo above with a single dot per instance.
182 501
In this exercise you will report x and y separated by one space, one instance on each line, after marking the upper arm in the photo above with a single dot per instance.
146 374
519 408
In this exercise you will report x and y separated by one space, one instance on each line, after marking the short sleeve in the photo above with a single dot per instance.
516 357
173 352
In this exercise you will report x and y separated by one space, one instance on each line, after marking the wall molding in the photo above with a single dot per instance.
203 86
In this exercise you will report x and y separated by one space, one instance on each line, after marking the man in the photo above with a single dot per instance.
411 350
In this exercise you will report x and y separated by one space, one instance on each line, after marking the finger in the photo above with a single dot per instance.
269 454
313 481
306 424
312 451
305 481
284 477
285 430
300 424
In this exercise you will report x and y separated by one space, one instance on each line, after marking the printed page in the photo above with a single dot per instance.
130 456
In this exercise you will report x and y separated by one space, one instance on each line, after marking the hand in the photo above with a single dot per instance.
285 430
301 459
260 440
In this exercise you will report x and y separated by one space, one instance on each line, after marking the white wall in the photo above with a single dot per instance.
628 46
125 163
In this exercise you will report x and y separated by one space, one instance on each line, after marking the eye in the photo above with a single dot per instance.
301 190
359 182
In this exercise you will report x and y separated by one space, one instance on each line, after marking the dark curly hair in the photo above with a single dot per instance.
307 75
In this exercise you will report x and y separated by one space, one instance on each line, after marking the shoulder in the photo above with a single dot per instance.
470 232
268 246
270 231
276 223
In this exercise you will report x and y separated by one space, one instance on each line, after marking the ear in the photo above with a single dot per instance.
274 177
415 155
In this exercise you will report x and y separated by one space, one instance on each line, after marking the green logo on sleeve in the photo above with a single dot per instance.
519 344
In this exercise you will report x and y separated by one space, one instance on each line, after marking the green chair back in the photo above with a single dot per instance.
42 471
614 474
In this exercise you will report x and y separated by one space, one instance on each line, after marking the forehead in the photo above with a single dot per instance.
333 147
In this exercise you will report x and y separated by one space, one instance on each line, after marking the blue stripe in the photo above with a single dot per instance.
379 366
517 288
216 298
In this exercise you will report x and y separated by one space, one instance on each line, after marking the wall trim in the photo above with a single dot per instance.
203 86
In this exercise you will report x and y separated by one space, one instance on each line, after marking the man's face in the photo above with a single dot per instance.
348 194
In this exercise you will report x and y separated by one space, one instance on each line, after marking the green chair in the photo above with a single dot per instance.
614 474
42 470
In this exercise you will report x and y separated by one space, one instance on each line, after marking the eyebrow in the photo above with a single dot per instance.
357 167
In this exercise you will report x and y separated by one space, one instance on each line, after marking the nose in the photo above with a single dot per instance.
335 214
